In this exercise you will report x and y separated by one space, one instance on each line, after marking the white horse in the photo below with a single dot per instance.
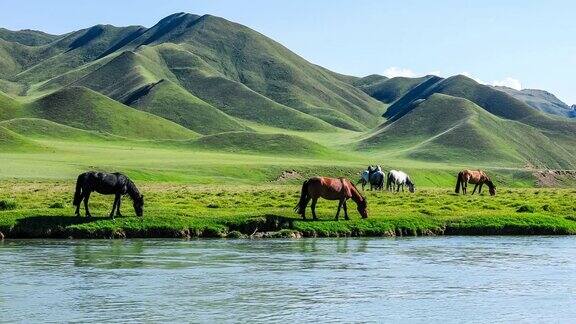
399 179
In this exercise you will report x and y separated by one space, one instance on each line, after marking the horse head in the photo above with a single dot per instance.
491 188
138 204
411 185
362 207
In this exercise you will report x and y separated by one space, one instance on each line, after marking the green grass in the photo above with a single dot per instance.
266 144
42 209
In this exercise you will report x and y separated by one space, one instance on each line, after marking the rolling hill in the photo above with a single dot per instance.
211 84
85 109
447 128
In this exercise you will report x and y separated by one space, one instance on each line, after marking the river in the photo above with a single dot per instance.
434 279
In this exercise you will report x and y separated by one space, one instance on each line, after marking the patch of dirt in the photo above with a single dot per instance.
553 178
289 175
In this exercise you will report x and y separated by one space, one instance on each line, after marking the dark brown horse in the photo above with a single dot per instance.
332 189
478 178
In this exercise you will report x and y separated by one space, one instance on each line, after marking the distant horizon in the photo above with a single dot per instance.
525 50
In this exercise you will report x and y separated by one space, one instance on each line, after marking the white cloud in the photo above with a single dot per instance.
468 74
508 82
395 71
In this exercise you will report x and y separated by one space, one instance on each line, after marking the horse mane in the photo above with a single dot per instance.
357 191
409 181
132 190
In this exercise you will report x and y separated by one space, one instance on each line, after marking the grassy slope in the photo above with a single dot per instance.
9 107
72 51
35 128
13 142
86 109
168 100
237 100
123 75
243 55
27 37
267 144
445 128
263 66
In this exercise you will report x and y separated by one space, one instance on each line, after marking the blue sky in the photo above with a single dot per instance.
527 43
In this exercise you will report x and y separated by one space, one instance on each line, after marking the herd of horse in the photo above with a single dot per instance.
340 189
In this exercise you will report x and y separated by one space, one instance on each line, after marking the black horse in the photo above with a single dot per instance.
107 184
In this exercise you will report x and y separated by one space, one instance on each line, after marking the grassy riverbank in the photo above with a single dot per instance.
43 209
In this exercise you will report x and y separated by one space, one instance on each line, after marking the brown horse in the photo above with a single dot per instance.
332 189
479 178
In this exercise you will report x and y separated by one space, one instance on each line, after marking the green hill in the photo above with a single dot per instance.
42 128
243 55
85 109
264 71
170 101
448 129
13 142
27 37
257 143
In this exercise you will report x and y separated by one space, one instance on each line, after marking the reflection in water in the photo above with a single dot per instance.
411 279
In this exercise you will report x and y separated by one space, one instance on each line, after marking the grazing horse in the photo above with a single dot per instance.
365 177
376 178
399 179
107 184
331 189
478 178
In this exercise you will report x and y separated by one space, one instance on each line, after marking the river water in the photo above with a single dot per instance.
436 279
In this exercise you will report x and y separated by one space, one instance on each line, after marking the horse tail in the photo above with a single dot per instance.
78 192
459 181
301 207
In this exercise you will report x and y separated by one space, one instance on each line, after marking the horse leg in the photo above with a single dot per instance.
340 203
345 211
86 198
305 205
397 188
464 186
313 208
480 188
77 213
114 206
475 187
118 206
